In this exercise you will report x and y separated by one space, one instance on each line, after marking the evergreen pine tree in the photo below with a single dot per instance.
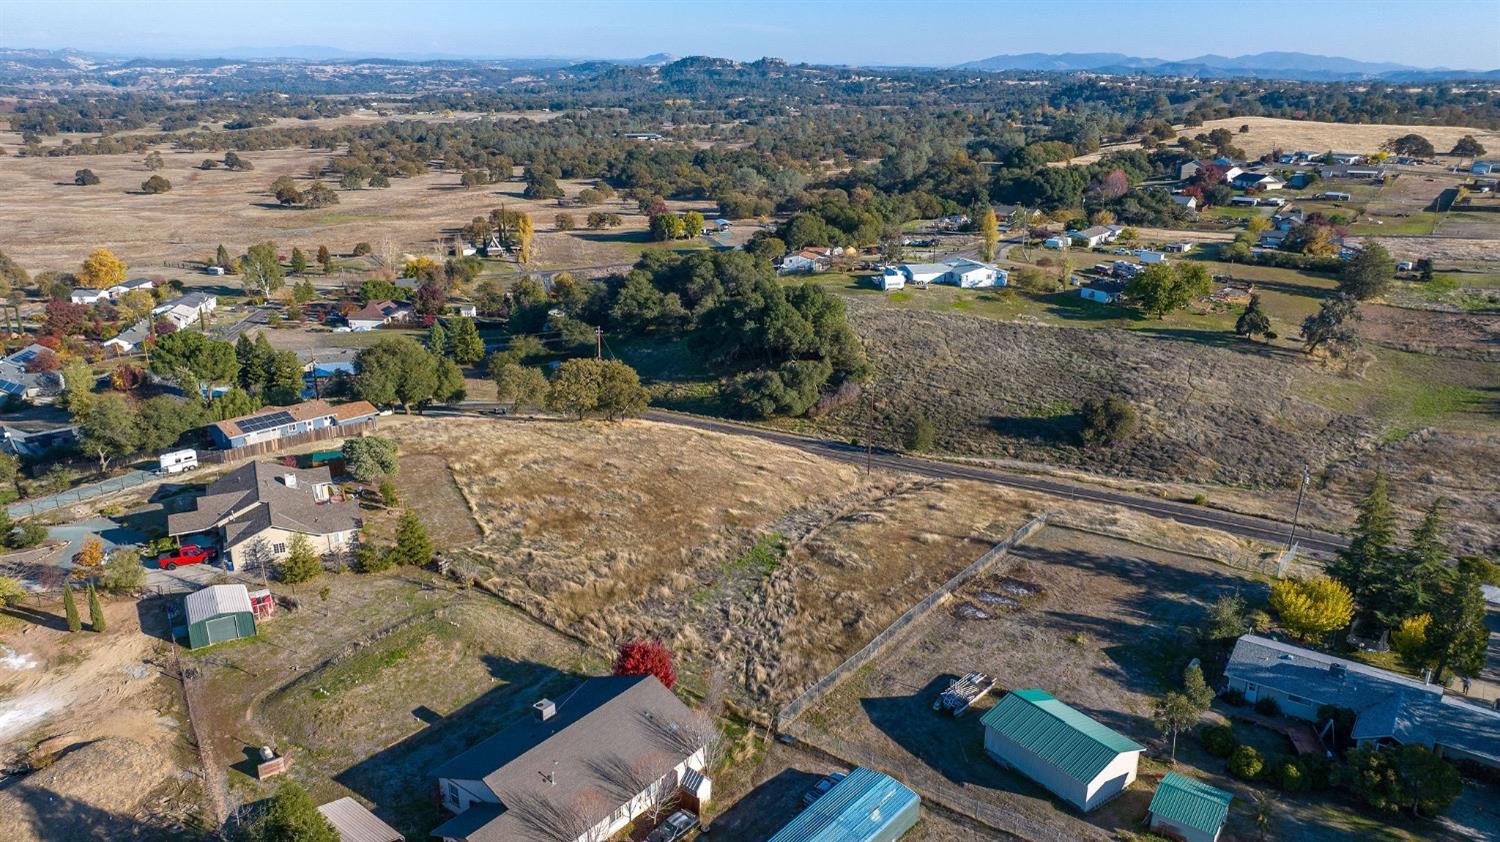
1457 638
1361 566
244 352
437 339
96 611
468 347
301 562
1426 573
325 259
299 262
412 544
221 258
70 609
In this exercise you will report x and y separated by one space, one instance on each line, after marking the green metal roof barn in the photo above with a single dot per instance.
219 613
1080 760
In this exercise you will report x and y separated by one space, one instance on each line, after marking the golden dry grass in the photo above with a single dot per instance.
1269 133
50 223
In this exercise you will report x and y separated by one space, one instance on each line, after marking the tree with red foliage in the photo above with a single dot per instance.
128 378
1110 187
647 657
430 297
44 361
64 318
165 326
1208 175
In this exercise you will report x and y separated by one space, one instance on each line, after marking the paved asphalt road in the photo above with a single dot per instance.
1260 529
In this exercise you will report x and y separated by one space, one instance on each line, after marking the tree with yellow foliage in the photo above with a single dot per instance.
525 238
1410 640
989 235
89 563
419 267
1312 608
101 270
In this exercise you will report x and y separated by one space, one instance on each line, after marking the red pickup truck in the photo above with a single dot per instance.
185 554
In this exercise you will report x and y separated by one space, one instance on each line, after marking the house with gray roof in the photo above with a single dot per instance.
186 310
22 379
129 339
252 512
961 272
1389 708
579 769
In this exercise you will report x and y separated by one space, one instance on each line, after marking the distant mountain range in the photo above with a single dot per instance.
1274 65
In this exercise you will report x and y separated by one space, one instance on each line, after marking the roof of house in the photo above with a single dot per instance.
1426 718
603 724
1190 803
1094 231
191 300
857 807
86 292
354 823
377 311
256 496
1058 734
16 380
215 600
1261 660
926 268
307 410
472 824
965 264
133 335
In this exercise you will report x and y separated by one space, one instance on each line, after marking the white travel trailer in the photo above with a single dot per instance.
178 461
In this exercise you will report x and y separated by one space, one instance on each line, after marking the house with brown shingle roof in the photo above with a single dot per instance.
255 510
378 313
579 769
276 422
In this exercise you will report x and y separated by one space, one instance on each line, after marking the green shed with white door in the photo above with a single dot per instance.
217 614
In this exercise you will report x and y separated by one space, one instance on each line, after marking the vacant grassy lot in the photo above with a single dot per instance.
1103 625
50 223
1270 133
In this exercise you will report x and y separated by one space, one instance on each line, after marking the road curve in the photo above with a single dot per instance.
1246 526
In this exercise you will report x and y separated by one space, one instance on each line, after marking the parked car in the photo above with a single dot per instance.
677 826
185 555
820 789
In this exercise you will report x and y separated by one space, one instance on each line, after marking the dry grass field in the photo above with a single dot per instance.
1270 133
50 223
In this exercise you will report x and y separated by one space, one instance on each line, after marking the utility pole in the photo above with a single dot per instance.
1301 491
598 343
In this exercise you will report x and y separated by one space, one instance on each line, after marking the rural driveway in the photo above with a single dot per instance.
1317 543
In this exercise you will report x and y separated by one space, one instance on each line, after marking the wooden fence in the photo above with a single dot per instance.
233 454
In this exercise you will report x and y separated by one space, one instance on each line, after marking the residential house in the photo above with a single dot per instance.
186 310
803 260
958 271
1272 238
1096 235
602 754
1231 172
20 379
279 422
1351 171
1103 291
1298 157
84 295
130 286
378 314
1257 181
467 309
866 806
1345 158
354 823
1073 756
129 339
1389 708
1188 809
1299 180
35 443
252 512
1189 202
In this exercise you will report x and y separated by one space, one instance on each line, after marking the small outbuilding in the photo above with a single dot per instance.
355 823
1079 760
219 613
1188 809
866 806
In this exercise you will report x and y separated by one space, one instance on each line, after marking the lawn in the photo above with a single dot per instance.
1233 212
1403 391
1416 225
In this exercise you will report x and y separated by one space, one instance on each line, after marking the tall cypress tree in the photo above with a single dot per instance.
70 609
1361 567
1457 636
437 339
96 611
1426 574
244 352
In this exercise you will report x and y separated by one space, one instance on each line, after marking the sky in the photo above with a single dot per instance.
1425 33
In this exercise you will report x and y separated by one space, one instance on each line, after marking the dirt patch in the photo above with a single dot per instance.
1460 335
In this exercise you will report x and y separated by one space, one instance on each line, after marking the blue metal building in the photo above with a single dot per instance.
866 806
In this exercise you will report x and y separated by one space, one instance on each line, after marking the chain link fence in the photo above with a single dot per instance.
28 508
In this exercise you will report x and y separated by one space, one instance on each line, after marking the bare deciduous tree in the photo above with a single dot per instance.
551 820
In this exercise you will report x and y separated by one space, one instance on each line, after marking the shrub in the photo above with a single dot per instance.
1246 763
1218 740
369 559
647 657
362 248
1108 421
919 434
1291 777
368 457
1267 706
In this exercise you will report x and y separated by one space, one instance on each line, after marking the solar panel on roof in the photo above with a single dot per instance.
12 388
25 355
264 422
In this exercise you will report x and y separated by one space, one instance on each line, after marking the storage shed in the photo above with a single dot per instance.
866 806
219 613
1078 759
1189 809
354 823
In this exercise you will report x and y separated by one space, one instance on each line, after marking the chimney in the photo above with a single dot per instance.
289 480
545 709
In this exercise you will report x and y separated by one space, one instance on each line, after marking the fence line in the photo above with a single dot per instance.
27 508
273 445
825 684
